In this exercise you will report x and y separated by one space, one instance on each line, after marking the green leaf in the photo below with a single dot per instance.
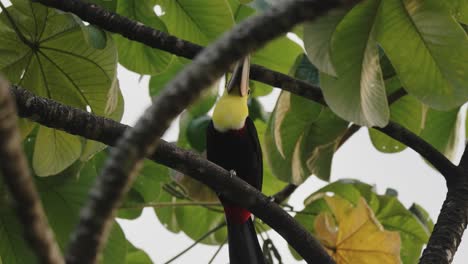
196 132
306 71
95 37
408 112
394 216
133 55
358 93
422 216
199 21
317 40
301 139
271 184
257 111
55 150
459 9
441 131
64 67
136 256
428 49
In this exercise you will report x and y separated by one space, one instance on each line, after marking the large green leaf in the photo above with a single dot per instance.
441 130
133 55
428 49
59 64
301 139
358 93
198 21
302 136
317 40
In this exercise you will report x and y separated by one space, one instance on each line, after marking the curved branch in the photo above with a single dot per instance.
452 220
431 154
15 171
136 143
154 38
79 122
451 224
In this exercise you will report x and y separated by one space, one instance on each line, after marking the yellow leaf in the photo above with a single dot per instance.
355 235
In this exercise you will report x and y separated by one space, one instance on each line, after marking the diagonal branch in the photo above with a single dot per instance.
431 154
452 220
154 38
15 171
136 143
79 122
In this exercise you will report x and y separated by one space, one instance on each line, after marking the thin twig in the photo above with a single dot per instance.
207 234
217 252
17 177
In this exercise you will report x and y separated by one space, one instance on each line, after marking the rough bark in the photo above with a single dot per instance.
17 177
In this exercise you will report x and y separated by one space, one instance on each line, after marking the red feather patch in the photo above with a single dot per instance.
236 214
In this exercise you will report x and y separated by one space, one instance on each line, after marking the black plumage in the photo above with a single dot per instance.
239 150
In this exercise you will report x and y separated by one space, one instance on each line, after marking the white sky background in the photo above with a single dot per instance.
405 172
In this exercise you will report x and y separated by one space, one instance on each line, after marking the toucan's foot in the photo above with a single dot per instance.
232 173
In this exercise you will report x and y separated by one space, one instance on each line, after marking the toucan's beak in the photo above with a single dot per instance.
239 82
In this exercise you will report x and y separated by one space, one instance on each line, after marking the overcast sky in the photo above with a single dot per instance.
405 172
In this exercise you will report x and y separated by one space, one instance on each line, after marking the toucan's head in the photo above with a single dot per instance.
231 109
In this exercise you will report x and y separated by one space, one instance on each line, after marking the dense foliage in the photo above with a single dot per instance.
358 57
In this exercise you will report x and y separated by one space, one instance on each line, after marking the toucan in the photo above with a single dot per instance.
232 143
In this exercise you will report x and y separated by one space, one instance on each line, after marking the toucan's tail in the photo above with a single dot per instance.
243 243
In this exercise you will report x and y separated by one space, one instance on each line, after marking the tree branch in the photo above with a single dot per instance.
15 171
209 65
431 154
451 224
154 38
452 220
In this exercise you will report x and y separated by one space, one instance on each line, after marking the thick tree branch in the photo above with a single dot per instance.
452 220
136 143
16 175
154 38
451 224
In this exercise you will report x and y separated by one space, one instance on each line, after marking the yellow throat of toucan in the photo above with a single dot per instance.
230 112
